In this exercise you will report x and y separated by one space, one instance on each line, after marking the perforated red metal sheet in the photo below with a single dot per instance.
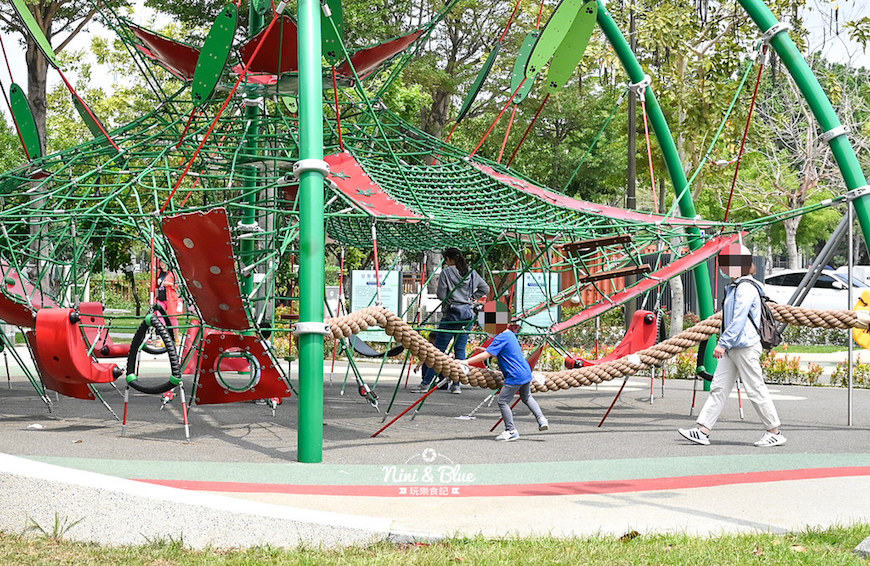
348 176
209 390
203 246
584 206
179 58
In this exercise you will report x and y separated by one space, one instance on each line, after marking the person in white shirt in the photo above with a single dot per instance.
738 352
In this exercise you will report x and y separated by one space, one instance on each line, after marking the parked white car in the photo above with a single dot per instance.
829 292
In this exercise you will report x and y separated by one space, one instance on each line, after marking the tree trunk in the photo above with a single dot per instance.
433 121
130 275
678 305
37 69
791 225
433 261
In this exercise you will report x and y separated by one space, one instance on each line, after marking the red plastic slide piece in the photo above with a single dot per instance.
104 347
62 353
348 176
231 352
76 390
641 335
204 249
178 58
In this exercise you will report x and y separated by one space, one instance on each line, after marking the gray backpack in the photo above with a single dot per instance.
767 329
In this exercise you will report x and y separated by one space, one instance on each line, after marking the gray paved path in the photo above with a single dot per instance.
441 474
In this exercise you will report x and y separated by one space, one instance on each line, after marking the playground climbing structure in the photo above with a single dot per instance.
211 178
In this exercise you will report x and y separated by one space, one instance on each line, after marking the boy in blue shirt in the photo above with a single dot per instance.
517 374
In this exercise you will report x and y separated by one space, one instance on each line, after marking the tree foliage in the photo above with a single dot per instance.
60 21
696 53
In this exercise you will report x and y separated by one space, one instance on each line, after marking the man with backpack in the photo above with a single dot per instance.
738 351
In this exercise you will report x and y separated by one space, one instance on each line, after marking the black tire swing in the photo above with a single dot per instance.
138 343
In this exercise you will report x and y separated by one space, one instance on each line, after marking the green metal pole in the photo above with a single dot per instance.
706 306
252 143
819 103
311 170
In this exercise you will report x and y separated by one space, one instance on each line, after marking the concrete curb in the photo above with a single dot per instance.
91 507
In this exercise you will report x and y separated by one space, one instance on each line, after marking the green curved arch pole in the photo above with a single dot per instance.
706 306
820 106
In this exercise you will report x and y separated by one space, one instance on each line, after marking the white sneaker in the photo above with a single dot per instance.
422 388
770 439
456 388
543 425
696 435
508 435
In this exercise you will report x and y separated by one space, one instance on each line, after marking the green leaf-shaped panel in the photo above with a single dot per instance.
519 72
35 32
332 34
23 115
554 33
569 53
214 55
478 82
95 126
261 6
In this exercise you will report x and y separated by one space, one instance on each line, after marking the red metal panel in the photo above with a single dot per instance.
650 281
348 176
211 391
279 51
76 390
204 249
62 352
367 60
584 206
177 57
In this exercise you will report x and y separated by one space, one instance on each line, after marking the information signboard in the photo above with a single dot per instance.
536 288
364 293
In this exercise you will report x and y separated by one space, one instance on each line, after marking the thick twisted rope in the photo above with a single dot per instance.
401 331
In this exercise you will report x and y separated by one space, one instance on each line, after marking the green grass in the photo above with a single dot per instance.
810 349
827 547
